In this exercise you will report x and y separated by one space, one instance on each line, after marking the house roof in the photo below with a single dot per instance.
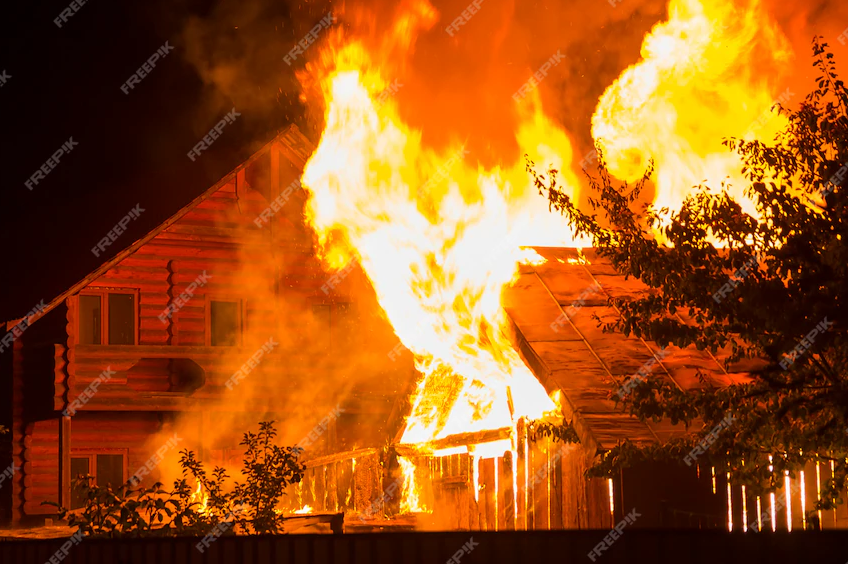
291 141
554 306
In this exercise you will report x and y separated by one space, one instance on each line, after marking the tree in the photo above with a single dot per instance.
772 290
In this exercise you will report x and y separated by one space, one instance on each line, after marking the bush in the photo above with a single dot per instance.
250 507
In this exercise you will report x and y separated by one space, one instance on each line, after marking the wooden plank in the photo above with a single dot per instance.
555 481
811 496
488 494
474 522
65 461
736 505
541 497
521 470
506 493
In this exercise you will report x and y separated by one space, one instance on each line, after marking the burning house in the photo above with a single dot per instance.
412 316
178 341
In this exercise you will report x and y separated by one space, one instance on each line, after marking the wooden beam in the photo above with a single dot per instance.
65 461
521 470
461 439
506 493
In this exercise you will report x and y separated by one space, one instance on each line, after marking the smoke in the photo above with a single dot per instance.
454 85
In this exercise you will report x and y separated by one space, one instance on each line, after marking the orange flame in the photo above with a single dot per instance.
200 496
708 72
439 238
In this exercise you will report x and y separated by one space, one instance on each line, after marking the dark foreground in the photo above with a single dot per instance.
650 547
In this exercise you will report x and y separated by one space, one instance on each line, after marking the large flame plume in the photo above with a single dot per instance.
710 71
439 237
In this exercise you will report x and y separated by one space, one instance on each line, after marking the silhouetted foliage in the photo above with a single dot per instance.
248 507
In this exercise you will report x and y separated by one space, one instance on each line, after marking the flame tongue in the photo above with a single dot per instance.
438 239
703 76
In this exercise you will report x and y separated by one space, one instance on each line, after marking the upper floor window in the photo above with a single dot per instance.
224 323
107 317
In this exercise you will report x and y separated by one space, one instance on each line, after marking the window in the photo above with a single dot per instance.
107 468
89 312
224 323
107 317
333 325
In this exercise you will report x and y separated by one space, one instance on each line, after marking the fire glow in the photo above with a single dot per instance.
439 236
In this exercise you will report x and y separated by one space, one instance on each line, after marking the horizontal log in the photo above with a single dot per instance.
35 507
460 439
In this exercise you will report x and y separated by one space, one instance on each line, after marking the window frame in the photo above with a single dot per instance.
103 294
241 308
91 453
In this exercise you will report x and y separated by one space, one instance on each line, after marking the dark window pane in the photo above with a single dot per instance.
121 319
89 321
110 470
322 334
225 323
79 466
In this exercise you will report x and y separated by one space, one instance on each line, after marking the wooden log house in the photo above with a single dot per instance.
160 369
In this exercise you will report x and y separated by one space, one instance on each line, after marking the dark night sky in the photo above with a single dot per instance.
65 82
